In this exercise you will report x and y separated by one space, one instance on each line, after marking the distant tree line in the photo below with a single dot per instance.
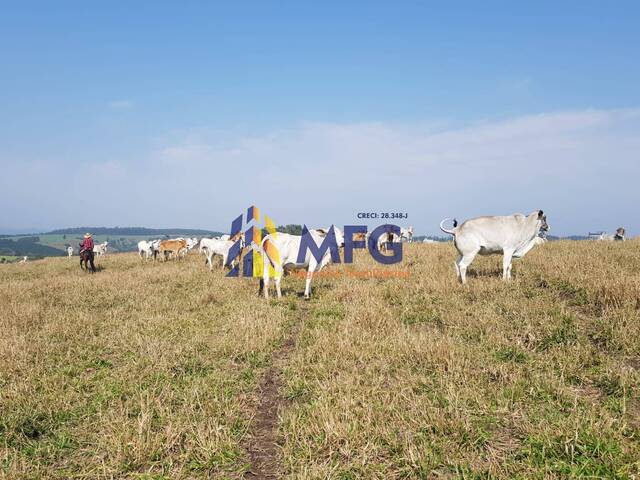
291 229
27 246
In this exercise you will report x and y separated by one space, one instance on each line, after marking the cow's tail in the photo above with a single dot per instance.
264 249
452 231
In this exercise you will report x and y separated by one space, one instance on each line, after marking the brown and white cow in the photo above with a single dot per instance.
171 247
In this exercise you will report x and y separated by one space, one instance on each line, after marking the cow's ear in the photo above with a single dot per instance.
540 214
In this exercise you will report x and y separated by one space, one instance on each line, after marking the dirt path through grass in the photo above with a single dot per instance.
261 443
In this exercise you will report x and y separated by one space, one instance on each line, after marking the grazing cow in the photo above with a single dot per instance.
280 251
171 247
511 235
428 240
100 249
70 251
24 259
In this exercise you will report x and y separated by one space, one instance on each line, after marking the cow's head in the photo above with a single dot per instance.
542 218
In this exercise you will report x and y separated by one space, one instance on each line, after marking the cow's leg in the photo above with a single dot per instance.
457 264
278 279
506 264
307 285
464 262
265 278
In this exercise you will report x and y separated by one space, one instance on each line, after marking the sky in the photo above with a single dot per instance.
182 114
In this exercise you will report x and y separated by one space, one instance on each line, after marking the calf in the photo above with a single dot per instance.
168 247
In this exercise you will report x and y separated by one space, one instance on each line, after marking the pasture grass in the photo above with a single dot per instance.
150 370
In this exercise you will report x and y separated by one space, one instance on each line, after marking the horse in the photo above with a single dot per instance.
86 257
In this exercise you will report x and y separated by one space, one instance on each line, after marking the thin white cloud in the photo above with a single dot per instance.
581 167
326 170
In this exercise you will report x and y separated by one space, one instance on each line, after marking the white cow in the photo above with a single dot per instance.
155 247
70 251
213 246
407 233
24 259
428 240
145 249
191 243
386 238
100 249
511 235
618 236
280 251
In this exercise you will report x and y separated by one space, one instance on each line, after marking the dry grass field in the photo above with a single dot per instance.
171 371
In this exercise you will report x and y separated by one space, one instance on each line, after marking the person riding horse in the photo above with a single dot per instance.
86 252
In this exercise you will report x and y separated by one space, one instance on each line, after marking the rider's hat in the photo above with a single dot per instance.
87 235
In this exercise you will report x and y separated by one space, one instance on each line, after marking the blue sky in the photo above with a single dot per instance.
330 107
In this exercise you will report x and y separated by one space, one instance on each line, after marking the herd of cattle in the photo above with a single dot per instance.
511 235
